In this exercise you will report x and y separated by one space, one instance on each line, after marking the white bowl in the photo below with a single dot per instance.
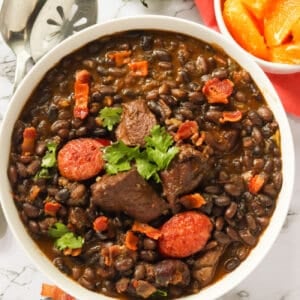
267 66
160 23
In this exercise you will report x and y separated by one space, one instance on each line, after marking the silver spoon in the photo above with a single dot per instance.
15 17
59 19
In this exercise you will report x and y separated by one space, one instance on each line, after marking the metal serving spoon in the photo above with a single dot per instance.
15 18
59 19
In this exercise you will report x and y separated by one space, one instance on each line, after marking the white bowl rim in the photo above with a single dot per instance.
267 66
156 23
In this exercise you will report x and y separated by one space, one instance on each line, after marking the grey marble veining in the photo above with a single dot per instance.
276 278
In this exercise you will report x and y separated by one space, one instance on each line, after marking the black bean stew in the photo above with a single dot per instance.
146 164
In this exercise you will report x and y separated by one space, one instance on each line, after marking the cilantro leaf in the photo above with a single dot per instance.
159 139
160 293
58 230
64 237
119 157
110 116
49 159
147 169
43 173
69 240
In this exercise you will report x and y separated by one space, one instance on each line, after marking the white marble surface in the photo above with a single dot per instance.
277 277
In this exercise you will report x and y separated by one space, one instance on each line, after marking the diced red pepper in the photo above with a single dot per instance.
131 241
104 142
81 94
100 223
146 229
186 130
28 144
139 68
54 292
231 116
256 183
217 91
120 57
51 208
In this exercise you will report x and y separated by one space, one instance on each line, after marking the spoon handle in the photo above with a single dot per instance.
21 67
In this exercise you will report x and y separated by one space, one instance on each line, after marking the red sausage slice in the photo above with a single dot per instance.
184 234
80 159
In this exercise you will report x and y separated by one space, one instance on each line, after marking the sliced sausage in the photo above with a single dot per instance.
80 159
184 234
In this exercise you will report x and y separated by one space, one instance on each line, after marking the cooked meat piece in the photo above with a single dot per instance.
144 289
206 265
171 271
136 123
184 173
222 141
128 192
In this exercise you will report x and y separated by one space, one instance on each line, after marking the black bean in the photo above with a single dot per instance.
250 219
33 226
178 93
277 179
233 189
242 252
265 113
116 72
164 89
240 96
82 131
222 237
59 124
41 148
247 237
146 42
149 244
62 195
165 65
100 132
231 263
152 95
139 272
256 135
76 272
162 55
64 114
196 97
60 264
148 255
33 167
123 264
12 174
220 73
107 90
219 223
232 233
222 200
30 210
182 76
86 283
255 118
201 64
231 210
21 170
63 133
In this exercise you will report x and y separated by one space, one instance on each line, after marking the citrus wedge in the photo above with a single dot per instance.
257 8
287 53
296 31
243 28
280 18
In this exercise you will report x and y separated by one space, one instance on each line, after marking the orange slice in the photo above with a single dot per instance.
257 8
243 28
279 20
287 53
296 31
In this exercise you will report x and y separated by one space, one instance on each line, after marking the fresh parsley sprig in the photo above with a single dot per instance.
156 156
64 237
110 116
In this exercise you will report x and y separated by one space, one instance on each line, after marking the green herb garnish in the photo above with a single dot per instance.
110 116
156 156
64 237
48 161
160 293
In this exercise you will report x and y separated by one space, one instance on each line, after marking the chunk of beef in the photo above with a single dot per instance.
171 271
184 173
128 192
205 266
136 123
222 141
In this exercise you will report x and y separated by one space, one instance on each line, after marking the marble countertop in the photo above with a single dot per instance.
276 278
